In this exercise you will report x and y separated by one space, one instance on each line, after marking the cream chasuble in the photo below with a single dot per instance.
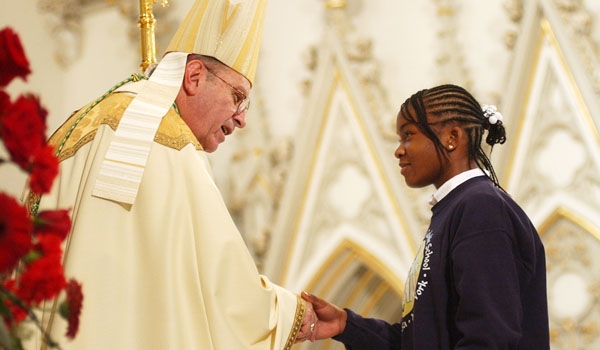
171 271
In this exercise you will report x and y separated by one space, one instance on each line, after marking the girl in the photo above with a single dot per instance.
479 279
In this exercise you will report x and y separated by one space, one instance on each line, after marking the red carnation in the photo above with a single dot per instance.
17 313
70 309
13 62
23 129
53 222
43 279
15 232
4 104
44 169
49 245
31 248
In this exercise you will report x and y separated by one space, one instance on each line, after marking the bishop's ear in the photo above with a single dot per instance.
194 71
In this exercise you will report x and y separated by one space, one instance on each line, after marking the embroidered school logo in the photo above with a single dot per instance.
414 287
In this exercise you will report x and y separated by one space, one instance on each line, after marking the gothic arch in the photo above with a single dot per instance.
551 161
356 278
572 244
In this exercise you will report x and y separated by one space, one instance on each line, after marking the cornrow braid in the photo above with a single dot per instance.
450 103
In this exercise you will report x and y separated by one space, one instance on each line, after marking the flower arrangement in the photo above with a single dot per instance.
31 270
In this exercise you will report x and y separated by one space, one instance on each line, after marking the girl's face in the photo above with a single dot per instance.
420 162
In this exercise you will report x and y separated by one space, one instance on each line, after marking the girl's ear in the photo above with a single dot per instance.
454 138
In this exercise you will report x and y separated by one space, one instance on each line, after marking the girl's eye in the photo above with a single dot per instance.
403 137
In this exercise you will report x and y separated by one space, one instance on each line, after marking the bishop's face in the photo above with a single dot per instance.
219 108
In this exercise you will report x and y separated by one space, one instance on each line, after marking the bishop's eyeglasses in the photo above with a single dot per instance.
242 101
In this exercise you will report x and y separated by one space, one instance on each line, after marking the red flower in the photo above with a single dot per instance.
15 232
43 279
23 129
44 169
49 245
13 62
53 222
4 104
31 251
70 309
17 312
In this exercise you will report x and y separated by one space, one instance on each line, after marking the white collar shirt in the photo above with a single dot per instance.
451 184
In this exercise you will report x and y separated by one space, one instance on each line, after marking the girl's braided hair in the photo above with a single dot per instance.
450 103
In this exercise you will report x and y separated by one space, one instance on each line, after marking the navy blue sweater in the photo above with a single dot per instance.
479 281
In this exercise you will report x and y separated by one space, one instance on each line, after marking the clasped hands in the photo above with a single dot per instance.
322 319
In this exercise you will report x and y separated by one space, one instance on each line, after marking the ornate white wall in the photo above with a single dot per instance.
312 181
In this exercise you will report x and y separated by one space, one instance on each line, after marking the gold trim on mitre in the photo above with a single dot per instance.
228 30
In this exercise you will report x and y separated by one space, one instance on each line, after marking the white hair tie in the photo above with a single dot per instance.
491 113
